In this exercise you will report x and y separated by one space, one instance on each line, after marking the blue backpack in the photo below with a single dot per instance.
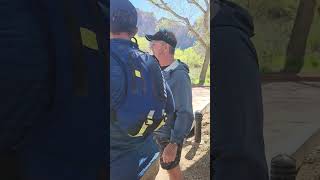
148 99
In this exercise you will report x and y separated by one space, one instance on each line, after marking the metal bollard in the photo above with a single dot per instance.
283 167
197 128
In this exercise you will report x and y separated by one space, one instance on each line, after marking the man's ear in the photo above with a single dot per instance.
168 47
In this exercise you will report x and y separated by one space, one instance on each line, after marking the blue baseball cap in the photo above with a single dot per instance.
123 16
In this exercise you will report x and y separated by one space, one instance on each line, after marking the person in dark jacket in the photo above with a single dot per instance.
171 136
238 143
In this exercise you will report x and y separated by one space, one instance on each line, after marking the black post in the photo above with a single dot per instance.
283 167
197 128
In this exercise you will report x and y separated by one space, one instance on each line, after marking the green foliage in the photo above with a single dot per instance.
311 64
194 60
273 25
314 38
143 43
271 9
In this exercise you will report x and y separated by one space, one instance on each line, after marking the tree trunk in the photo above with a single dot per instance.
204 68
299 36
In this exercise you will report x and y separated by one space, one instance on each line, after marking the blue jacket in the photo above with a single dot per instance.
178 127
134 155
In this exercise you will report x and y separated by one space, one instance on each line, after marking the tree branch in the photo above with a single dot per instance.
206 13
164 6
176 21
206 21
207 4
197 4
171 20
156 4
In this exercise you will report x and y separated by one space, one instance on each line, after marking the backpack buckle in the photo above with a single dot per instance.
145 125
149 120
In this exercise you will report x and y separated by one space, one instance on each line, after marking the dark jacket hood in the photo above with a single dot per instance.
231 14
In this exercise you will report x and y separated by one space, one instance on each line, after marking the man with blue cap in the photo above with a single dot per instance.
138 92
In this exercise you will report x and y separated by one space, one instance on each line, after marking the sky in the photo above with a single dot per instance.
185 9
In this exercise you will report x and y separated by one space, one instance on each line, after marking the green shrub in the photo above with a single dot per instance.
273 21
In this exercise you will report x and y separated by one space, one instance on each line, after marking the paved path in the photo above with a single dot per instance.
200 98
200 101
291 116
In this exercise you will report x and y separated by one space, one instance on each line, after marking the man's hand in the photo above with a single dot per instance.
169 153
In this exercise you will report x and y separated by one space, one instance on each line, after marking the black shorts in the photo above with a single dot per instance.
167 166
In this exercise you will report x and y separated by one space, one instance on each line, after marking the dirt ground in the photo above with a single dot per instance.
310 167
195 158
